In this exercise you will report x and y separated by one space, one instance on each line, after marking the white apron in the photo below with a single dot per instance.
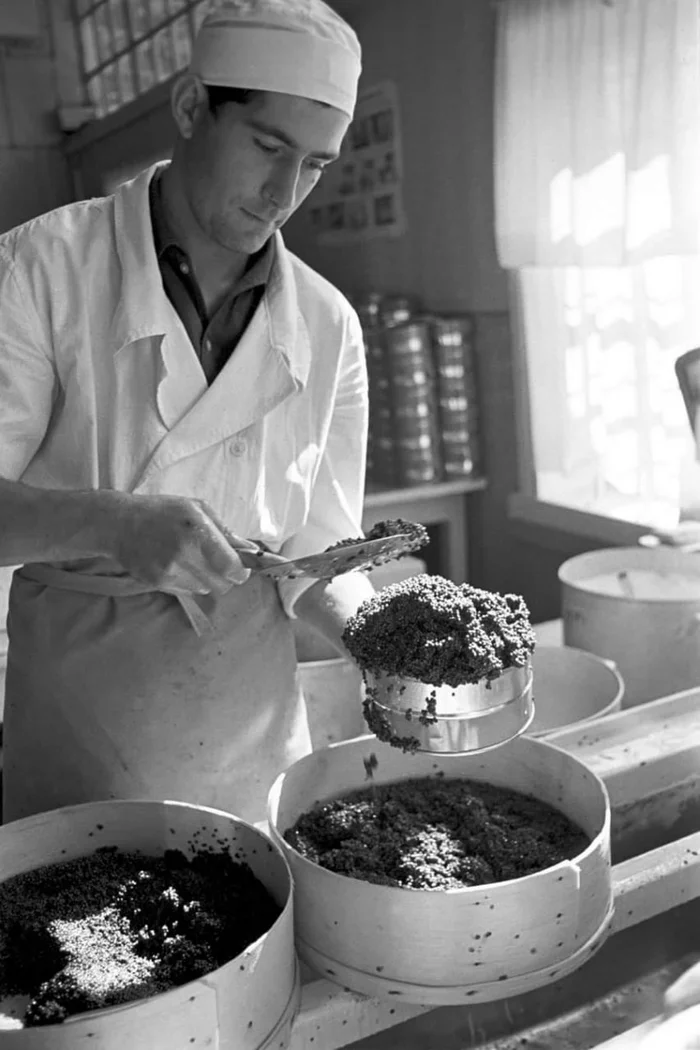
119 697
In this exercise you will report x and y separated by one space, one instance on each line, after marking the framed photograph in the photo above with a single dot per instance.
362 194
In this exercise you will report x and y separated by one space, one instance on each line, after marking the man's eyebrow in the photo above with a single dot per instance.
278 133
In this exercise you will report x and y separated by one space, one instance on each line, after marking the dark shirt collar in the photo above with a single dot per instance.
259 267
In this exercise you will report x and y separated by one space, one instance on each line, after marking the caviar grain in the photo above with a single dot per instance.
435 833
113 927
417 535
442 633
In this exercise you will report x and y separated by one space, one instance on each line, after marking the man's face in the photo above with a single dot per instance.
249 167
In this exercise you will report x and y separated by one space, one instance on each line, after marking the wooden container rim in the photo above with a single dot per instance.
602 836
144 803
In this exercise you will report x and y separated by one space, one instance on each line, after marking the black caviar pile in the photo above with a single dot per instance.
435 833
435 631
113 927
417 535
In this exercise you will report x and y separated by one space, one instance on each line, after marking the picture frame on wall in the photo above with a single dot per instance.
361 195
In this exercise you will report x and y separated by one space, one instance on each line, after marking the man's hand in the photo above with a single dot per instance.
172 543
176 544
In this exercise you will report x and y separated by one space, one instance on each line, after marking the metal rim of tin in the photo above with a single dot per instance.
408 330
458 437
404 477
496 714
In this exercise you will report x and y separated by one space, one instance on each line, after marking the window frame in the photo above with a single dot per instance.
83 9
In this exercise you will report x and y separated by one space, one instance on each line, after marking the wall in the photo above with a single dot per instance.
37 74
440 54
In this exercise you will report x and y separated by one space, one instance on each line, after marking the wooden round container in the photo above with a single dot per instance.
436 947
332 691
571 686
248 1004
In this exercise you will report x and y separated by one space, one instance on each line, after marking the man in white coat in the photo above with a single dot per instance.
175 384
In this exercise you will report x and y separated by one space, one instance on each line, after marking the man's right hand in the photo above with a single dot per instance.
176 544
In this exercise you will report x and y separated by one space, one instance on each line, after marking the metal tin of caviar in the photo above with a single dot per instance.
396 309
409 338
412 379
380 438
447 391
467 718
461 466
415 429
452 341
456 437
374 344
417 466
420 472
460 453
453 329
368 307
456 393
452 370
455 404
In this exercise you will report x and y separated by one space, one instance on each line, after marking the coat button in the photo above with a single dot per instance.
239 447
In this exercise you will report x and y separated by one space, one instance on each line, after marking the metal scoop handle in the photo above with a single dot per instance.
328 564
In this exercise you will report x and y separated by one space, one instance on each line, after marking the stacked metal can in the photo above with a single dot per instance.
368 308
412 392
453 354
396 309
424 418
380 440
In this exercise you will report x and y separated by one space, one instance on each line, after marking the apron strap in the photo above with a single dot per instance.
114 587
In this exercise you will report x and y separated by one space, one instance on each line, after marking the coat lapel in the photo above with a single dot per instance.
145 321
254 381
270 363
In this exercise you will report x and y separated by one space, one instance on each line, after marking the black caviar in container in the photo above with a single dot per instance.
113 927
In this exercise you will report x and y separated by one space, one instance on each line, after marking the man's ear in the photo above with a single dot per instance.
188 102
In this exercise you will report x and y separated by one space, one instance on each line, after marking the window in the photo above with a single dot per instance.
610 433
598 220
128 46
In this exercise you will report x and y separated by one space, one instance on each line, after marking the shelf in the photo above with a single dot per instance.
379 497
442 504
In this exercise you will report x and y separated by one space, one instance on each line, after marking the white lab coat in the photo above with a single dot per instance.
113 694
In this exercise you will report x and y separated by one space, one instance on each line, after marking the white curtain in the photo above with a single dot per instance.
597 145
597 185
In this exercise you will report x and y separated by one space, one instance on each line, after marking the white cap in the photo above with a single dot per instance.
296 47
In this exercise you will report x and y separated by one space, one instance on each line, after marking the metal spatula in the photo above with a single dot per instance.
361 555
